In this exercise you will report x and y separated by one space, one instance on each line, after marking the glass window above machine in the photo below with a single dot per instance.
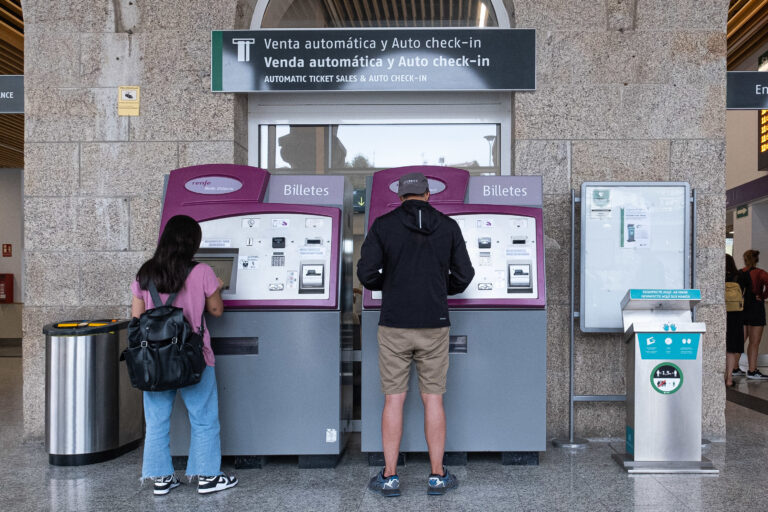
378 13
358 150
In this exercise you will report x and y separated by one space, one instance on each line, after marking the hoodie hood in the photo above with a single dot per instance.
419 216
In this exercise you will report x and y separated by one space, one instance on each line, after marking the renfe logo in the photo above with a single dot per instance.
213 185
243 48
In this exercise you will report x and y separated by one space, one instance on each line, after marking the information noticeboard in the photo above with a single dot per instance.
633 235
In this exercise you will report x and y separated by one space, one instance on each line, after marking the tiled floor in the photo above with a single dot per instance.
752 394
589 481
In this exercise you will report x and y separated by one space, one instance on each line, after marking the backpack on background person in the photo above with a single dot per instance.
734 297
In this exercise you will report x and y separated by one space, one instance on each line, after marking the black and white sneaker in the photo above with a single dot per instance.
439 484
209 484
738 372
756 375
164 484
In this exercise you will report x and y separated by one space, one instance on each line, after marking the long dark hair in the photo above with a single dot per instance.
730 267
169 266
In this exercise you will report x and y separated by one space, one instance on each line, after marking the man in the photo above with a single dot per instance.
417 257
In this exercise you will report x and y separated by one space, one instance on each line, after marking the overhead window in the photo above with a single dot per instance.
359 149
378 13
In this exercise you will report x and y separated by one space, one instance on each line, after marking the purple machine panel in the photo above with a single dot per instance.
448 194
216 191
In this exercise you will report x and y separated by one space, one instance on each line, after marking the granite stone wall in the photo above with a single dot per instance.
93 179
626 90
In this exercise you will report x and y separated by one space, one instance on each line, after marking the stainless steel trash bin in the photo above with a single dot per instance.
92 413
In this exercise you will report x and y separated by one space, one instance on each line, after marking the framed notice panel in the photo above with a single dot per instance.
633 235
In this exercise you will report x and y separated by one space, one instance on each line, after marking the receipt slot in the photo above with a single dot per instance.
278 243
496 391
663 430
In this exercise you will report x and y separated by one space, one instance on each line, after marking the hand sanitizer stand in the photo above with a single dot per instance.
663 433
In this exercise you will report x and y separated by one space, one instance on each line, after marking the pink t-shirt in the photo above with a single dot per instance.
200 283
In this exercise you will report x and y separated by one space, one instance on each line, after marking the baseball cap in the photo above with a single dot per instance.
412 183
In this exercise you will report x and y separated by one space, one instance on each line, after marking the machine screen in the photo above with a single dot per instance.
503 249
273 256
222 267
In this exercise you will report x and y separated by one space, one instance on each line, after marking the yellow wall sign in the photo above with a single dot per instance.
128 100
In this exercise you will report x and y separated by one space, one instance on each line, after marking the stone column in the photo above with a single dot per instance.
93 179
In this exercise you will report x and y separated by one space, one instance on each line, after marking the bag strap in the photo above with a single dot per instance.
157 300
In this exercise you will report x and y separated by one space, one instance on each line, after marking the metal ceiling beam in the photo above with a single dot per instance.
746 30
11 35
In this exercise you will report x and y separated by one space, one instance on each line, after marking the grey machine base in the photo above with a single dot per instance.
496 392
281 388
259 461
460 459
626 461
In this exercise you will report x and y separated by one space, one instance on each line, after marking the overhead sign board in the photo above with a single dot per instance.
373 60
11 94
747 90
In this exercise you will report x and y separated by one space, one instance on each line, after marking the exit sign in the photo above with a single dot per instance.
742 211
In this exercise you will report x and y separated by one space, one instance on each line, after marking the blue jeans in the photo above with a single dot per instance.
202 403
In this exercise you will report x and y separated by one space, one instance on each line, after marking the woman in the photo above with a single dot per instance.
734 334
754 311
172 270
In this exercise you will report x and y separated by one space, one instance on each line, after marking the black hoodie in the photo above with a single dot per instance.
423 259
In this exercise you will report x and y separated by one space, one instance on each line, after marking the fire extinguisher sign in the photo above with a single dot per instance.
7 250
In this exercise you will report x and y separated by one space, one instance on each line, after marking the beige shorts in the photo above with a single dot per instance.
398 347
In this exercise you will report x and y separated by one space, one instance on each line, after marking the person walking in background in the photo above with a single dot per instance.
197 288
734 334
417 257
754 310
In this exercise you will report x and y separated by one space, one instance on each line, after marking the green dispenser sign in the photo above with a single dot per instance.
666 378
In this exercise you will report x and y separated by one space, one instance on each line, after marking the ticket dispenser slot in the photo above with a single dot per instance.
518 278
312 278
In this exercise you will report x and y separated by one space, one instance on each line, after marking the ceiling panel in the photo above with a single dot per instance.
11 63
747 29
378 13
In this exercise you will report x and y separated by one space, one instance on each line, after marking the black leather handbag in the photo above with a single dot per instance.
164 351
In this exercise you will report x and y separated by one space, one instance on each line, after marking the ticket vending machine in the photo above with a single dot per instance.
663 430
496 392
277 242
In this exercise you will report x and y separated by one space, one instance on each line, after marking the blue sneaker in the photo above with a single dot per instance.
437 484
389 486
